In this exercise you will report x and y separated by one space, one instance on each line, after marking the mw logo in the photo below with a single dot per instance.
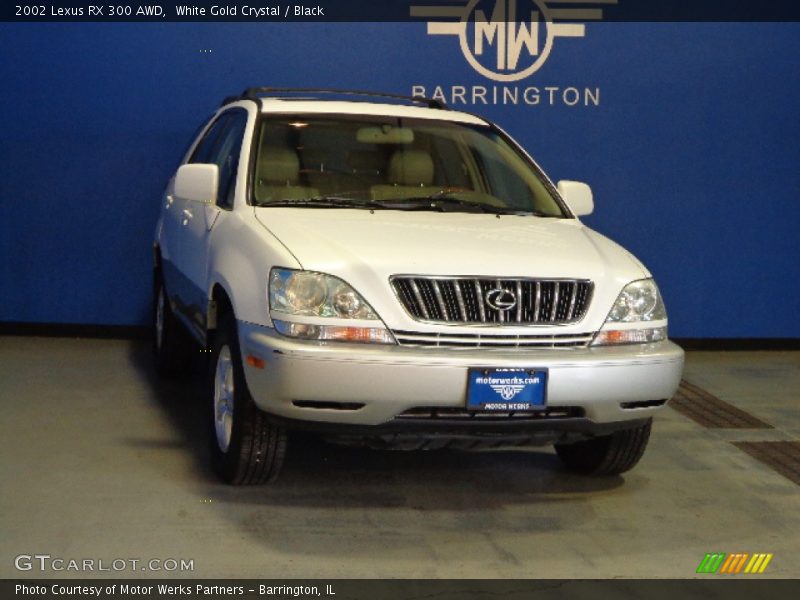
507 391
509 40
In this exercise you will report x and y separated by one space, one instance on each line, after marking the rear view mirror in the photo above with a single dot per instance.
197 182
578 197
385 135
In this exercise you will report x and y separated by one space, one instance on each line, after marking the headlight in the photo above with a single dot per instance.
313 303
315 294
638 301
637 317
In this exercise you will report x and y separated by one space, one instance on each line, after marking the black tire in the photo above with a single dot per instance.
172 346
606 455
255 448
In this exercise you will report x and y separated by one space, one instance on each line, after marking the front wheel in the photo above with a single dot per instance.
246 448
608 454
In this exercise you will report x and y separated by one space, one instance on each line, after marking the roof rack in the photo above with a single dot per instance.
255 94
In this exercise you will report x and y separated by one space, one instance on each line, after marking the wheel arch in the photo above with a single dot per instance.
220 303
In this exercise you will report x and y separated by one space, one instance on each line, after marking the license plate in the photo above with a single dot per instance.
506 389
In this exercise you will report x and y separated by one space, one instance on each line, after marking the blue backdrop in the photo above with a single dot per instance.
692 151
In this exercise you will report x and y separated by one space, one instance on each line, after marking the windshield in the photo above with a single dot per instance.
341 161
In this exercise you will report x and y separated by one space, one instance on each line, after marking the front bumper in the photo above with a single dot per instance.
368 385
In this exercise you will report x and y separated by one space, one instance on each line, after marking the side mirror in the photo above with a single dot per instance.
578 197
197 182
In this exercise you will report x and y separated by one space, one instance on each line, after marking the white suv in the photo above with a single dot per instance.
396 274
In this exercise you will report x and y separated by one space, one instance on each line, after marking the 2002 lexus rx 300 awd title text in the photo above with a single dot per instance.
394 273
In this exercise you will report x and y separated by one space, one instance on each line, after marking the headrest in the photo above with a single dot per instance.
278 166
411 167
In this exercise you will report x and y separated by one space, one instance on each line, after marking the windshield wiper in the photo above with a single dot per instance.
338 201
435 202
322 202
439 202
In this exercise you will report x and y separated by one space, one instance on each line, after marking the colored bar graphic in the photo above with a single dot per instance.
726 566
741 562
754 564
737 566
765 563
734 564
711 562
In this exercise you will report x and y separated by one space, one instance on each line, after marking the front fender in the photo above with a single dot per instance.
242 254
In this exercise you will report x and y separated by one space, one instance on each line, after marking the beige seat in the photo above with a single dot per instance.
410 174
277 176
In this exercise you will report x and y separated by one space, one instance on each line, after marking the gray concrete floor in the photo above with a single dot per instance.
101 461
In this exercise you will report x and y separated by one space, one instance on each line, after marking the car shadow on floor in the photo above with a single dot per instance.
181 403
325 475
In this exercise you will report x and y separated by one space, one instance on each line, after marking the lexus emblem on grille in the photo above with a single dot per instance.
500 299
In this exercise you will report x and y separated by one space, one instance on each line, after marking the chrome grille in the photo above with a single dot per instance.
464 300
459 340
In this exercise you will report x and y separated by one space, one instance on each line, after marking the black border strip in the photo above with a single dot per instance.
707 586
400 11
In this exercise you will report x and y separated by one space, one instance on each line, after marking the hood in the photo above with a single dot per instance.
359 243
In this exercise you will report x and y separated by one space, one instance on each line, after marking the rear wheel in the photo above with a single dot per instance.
246 447
606 455
172 347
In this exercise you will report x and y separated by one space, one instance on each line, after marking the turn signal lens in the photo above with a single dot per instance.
337 333
630 336
254 361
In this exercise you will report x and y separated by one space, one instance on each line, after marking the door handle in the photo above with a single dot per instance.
187 216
